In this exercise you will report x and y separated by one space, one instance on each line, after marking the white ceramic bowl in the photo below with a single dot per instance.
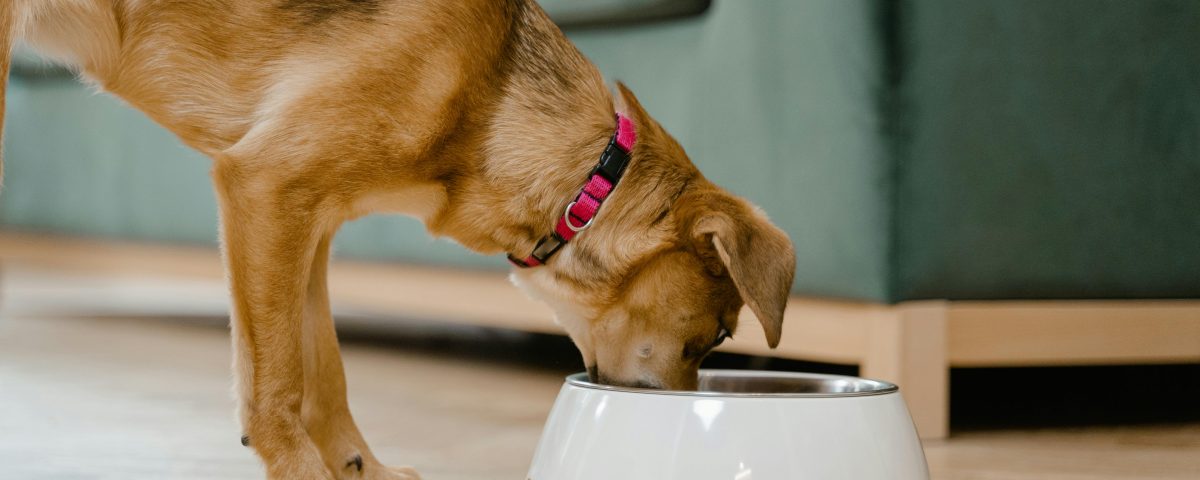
740 425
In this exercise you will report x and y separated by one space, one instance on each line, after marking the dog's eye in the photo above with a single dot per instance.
721 336
698 349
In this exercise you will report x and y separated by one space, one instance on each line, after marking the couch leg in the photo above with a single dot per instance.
909 349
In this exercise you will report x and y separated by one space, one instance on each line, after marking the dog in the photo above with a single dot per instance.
479 118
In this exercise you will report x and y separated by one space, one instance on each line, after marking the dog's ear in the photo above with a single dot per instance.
628 104
757 255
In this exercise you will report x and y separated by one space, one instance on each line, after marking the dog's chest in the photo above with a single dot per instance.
540 285
419 201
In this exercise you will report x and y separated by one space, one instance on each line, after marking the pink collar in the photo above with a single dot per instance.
580 213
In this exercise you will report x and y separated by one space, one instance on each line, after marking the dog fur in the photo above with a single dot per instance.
478 117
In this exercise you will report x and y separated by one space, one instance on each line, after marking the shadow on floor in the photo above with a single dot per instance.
1074 396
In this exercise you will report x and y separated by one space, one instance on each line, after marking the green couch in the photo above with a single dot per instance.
1047 150
991 149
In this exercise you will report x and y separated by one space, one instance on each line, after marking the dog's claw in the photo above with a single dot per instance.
357 462
245 440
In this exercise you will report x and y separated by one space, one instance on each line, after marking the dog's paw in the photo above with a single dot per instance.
356 468
294 472
390 473
403 473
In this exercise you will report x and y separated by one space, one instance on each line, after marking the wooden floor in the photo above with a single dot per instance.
91 391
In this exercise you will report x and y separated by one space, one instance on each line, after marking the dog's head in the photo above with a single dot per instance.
659 279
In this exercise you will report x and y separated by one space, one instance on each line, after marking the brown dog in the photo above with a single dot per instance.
479 118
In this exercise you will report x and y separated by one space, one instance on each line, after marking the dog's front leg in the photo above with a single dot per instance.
270 231
325 411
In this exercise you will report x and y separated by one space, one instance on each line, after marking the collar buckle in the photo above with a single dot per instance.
612 162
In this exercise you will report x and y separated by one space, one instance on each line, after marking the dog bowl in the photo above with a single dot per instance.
739 425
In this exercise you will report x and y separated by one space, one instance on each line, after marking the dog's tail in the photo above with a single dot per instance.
8 35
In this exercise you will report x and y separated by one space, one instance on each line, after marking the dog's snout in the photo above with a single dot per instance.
639 384
597 378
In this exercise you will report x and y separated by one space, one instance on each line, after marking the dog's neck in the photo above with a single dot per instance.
549 171
543 136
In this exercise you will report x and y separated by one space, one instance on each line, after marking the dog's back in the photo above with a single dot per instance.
210 70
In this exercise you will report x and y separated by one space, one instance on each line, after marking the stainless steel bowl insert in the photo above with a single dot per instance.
755 383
